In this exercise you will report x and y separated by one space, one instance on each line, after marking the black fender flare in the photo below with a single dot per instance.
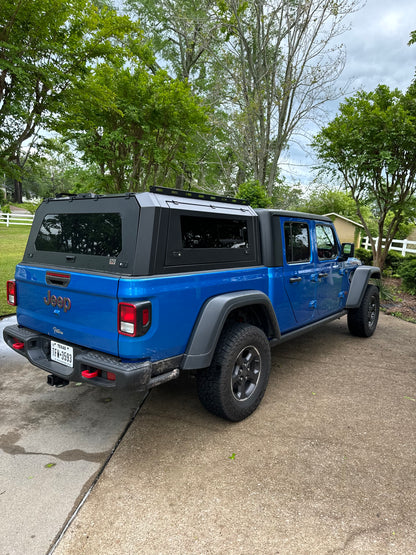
359 284
211 321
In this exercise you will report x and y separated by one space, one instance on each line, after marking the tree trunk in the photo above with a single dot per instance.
18 191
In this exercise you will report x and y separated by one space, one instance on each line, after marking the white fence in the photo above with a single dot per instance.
403 247
16 219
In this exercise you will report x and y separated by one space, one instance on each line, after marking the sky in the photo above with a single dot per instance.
377 44
377 53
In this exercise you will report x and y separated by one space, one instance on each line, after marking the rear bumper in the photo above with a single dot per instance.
140 376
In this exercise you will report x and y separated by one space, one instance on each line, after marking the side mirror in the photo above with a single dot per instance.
347 251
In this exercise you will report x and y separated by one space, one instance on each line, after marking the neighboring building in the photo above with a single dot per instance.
412 236
348 230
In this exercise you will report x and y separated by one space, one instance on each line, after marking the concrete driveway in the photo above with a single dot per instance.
53 443
326 465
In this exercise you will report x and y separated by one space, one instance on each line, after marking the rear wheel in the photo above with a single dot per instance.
233 386
362 321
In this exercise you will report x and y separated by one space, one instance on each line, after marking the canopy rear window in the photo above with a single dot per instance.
97 234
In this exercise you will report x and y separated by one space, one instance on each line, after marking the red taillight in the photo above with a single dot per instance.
127 320
11 292
134 319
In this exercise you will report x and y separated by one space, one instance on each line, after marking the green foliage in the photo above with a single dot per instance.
46 49
407 220
141 129
393 262
255 194
287 197
364 255
263 67
407 272
49 172
371 145
323 200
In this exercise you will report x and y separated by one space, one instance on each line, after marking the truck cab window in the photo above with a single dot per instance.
326 244
297 242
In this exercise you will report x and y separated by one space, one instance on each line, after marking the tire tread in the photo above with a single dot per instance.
213 382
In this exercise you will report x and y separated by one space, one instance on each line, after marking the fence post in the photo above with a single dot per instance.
404 247
7 220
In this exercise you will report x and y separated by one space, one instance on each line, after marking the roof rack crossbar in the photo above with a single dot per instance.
196 195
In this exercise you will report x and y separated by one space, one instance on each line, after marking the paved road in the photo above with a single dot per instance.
326 465
53 442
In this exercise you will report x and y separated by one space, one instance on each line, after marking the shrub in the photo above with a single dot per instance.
407 272
393 261
254 193
364 255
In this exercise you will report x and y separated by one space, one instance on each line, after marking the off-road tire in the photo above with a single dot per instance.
362 321
233 386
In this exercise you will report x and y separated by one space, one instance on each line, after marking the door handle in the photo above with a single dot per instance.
295 279
322 275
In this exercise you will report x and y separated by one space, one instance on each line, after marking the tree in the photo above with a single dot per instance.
51 171
138 129
324 200
45 48
182 33
185 35
264 67
255 194
371 144
282 64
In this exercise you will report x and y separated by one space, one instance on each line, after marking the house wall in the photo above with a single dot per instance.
347 233
412 236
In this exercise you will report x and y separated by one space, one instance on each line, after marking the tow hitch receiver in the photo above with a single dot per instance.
56 381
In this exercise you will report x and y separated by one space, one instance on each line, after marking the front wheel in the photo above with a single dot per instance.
362 321
233 386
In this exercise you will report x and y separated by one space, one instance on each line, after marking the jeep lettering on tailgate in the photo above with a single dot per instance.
60 302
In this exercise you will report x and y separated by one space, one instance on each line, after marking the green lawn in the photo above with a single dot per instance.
12 246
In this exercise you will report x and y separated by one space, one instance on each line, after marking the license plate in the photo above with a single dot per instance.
64 354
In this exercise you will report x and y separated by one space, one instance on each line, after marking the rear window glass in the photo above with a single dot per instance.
90 234
213 233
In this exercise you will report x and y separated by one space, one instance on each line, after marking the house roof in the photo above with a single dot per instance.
344 218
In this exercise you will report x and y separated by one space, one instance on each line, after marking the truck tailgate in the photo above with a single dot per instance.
72 307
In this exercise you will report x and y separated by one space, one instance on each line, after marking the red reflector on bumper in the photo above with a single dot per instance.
111 376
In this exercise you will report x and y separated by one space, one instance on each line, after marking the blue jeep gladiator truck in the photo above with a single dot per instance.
127 291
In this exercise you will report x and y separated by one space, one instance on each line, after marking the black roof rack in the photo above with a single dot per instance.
195 195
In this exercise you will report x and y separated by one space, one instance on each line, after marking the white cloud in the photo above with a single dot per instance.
377 45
